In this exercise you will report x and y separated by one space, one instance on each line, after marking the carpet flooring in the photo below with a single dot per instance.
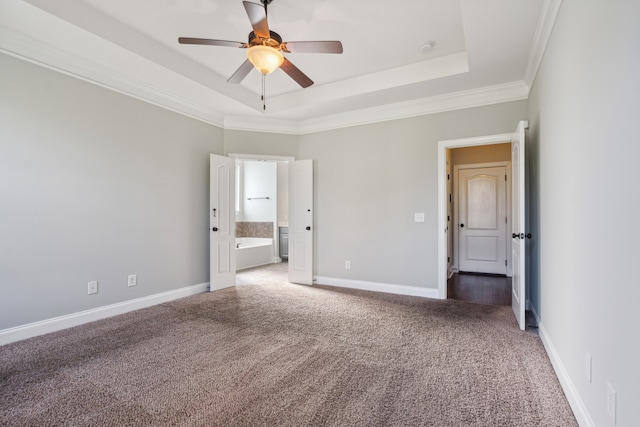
286 355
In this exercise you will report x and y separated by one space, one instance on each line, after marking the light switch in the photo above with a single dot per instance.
419 217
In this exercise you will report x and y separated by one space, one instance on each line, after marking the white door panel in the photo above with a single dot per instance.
482 248
482 217
482 203
448 229
301 222
222 222
518 250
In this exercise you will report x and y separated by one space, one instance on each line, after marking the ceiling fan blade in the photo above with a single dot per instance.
211 42
313 47
258 17
241 72
294 72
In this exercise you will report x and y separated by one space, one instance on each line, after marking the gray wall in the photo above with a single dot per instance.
263 143
583 151
95 185
370 180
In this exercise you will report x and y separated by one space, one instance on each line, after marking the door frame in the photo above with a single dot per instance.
287 159
443 230
456 244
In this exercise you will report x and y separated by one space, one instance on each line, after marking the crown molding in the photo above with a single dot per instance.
261 124
508 92
489 95
547 20
515 91
37 52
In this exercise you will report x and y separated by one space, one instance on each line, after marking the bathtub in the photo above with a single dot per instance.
253 251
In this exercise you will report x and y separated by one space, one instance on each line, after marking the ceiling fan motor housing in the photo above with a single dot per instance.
274 40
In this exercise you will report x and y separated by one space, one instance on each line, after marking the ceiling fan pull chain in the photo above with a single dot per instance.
264 97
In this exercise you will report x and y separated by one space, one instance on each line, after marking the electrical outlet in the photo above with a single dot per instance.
418 217
347 265
611 403
92 287
587 366
132 280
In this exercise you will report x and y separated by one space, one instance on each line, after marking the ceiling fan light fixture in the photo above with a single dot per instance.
265 58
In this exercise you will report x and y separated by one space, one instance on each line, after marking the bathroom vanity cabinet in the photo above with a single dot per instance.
284 242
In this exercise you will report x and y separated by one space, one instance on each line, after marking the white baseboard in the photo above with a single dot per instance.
378 287
67 321
577 406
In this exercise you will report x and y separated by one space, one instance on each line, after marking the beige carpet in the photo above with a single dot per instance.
286 355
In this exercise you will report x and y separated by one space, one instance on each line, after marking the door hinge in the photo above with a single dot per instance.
505 177
448 176
505 219
448 259
505 262
448 218
449 198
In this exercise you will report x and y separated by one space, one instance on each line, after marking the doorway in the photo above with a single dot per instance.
261 213
222 223
518 232
480 288
479 243
446 159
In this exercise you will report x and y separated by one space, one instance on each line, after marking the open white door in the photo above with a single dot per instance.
222 222
301 222
518 282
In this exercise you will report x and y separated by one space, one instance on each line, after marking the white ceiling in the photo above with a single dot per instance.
485 51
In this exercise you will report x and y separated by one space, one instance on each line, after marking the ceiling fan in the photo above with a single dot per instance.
265 47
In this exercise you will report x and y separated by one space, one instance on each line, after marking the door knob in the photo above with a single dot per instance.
308 228
461 225
521 235
214 229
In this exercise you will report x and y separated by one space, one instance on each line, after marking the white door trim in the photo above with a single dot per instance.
261 157
457 168
442 196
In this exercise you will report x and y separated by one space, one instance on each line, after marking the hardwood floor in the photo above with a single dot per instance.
480 288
